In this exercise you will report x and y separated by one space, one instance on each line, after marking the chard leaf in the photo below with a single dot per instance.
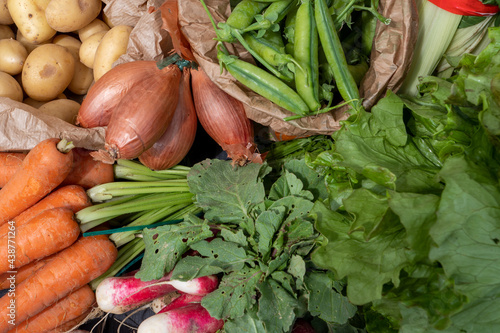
325 301
236 294
276 307
467 230
417 213
365 148
165 245
367 264
227 195
370 211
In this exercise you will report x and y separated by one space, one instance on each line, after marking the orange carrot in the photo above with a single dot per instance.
68 308
66 327
7 279
85 171
47 233
88 172
73 197
69 270
9 164
43 169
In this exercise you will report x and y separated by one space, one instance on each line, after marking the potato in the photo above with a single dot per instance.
89 48
71 15
6 32
33 102
27 44
12 56
5 17
30 20
69 42
10 88
83 76
91 28
65 109
112 46
47 72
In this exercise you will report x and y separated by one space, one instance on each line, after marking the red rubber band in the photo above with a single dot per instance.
466 7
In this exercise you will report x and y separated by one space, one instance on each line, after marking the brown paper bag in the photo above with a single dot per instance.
390 57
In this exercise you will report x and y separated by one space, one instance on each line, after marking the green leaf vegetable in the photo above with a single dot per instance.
415 229
258 236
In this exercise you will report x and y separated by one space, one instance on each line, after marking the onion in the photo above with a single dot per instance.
224 119
144 113
107 92
175 143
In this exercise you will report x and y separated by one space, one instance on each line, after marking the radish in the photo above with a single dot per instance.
159 303
118 295
181 301
187 319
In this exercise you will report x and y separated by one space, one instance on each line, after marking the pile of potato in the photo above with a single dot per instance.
51 51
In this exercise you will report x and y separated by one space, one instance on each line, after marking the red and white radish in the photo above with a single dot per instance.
190 318
181 301
121 294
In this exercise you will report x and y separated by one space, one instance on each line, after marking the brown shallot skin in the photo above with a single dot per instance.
106 93
224 119
177 140
142 116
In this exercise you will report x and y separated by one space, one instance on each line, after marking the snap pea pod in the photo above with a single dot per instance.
264 84
272 53
240 18
335 56
306 53
272 16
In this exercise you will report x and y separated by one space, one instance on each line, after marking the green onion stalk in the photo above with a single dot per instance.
139 198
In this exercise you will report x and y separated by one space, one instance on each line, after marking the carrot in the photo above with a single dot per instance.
69 270
88 172
7 280
85 171
43 169
66 327
47 233
68 308
9 163
73 197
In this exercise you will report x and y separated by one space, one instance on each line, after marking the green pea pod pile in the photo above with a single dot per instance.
310 55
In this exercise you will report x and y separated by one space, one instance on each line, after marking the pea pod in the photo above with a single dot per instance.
335 56
273 54
264 84
242 15
272 15
306 53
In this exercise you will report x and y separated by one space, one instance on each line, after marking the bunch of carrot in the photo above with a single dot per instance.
46 265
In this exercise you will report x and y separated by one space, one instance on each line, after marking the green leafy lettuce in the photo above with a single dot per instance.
413 217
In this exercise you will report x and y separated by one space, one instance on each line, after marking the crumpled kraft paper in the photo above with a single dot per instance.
21 128
390 57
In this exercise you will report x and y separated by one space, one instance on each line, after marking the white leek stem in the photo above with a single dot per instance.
471 40
436 30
